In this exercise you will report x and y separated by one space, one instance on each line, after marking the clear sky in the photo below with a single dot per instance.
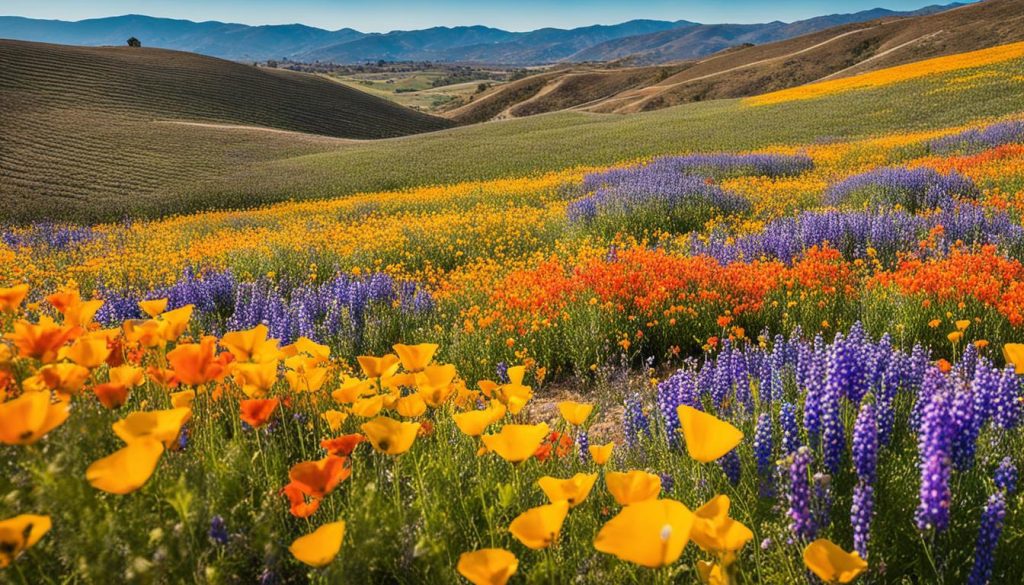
385 15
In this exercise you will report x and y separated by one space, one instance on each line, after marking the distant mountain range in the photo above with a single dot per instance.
647 41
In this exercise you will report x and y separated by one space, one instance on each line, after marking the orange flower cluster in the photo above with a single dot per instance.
984 276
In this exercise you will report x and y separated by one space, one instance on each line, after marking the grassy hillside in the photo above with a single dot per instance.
86 132
553 141
840 51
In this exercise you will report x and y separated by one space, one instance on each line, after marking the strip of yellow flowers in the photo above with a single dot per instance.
892 75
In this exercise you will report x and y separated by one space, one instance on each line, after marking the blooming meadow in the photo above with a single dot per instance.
793 365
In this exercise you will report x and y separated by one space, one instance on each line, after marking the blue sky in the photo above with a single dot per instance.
385 15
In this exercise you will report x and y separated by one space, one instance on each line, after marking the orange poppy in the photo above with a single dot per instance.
298 504
257 412
319 478
343 445
197 363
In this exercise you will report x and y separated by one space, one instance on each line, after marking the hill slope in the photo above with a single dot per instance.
80 123
839 51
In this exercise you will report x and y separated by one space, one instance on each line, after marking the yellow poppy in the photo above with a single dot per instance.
255 379
573 490
88 351
27 418
20 533
306 379
516 443
474 422
335 418
127 469
488 566
651 533
305 345
435 383
376 367
1013 353
251 345
41 341
183 399
173 323
12 297
707 437
368 407
712 573
632 487
153 307
351 390
415 357
411 406
955 336
963 324
601 453
575 413
127 376
162 425
319 548
64 377
390 436
715 532
831 563
539 527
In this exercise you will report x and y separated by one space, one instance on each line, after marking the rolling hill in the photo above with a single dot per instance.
748 70
643 41
82 125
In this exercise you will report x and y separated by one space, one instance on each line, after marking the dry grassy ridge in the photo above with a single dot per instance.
87 127
744 71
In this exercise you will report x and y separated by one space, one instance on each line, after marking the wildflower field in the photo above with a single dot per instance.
785 365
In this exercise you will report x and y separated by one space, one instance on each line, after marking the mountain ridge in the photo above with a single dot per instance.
476 43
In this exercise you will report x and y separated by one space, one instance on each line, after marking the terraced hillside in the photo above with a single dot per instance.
743 71
103 128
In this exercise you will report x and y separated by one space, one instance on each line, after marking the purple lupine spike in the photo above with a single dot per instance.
1007 407
934 452
885 396
634 420
985 388
741 378
988 539
730 464
813 393
583 441
801 514
966 428
823 500
912 189
833 436
977 140
865 461
678 389
790 430
763 453
1005 476
968 362
722 386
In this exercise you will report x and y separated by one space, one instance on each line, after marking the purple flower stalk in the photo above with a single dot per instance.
988 539
935 444
790 430
1005 476
801 514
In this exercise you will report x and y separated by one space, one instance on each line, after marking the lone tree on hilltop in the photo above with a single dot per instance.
134 42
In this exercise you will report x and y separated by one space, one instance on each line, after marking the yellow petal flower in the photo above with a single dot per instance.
20 533
474 422
489 566
601 453
27 418
335 418
573 490
707 437
831 563
255 379
154 307
1013 353
415 357
963 324
127 376
368 407
319 548
128 469
89 351
162 425
712 573
714 531
183 399
12 297
305 345
516 443
390 436
652 533
539 527
411 406
251 345
632 487
376 367
351 390
173 323
575 413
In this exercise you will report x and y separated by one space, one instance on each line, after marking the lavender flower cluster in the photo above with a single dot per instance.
979 139
47 235
852 232
337 310
873 381
912 189
719 165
